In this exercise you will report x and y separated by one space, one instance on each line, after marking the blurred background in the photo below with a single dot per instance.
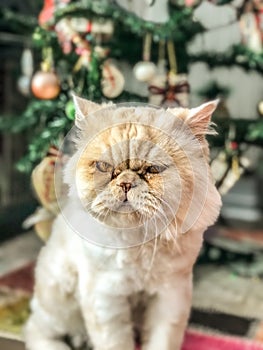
163 52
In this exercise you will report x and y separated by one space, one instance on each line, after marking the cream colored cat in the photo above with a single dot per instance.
141 196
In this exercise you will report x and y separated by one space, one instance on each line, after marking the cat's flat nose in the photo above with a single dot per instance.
126 186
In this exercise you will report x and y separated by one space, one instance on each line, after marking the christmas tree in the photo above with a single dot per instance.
84 46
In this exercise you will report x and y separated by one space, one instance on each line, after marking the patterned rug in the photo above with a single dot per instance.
195 340
207 331
15 292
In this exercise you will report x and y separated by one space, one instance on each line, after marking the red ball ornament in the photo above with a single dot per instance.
45 85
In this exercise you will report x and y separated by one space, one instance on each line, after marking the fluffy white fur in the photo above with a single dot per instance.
100 295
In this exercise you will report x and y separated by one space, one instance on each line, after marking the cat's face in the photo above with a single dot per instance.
127 170
136 164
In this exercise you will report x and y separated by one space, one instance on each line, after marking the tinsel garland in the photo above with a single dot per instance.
179 27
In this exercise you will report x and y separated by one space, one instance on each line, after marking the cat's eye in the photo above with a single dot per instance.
104 167
155 169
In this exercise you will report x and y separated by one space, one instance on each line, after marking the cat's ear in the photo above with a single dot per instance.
83 108
199 119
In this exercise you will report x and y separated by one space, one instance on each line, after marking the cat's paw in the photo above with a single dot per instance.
47 345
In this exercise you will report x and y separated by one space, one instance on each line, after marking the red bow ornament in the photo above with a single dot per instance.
172 95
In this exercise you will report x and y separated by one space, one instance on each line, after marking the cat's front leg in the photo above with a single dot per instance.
167 315
108 322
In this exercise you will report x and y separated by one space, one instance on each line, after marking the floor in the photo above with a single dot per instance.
9 344
243 296
18 252
217 291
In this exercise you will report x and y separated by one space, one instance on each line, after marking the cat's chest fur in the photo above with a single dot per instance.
83 267
132 270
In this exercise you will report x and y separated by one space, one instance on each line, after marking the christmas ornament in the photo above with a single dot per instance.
65 35
176 91
70 31
258 5
145 70
23 82
260 108
70 110
47 13
178 86
43 181
229 164
249 27
101 30
158 82
45 85
23 85
227 171
42 220
112 80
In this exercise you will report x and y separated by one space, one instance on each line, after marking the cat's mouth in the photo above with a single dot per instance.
126 206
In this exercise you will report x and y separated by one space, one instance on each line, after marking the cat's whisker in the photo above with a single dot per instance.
171 235
167 229
175 241
145 234
165 203
153 254
98 215
161 210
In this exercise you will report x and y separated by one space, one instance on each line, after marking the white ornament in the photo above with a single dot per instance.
27 65
82 24
112 80
23 85
250 32
64 26
144 71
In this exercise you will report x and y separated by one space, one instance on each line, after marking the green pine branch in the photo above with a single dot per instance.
17 22
238 55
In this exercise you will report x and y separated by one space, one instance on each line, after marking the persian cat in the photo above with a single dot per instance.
140 197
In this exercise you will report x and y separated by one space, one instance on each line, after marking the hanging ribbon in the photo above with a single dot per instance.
147 44
172 57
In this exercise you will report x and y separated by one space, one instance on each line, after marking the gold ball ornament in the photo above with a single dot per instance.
45 85
260 108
